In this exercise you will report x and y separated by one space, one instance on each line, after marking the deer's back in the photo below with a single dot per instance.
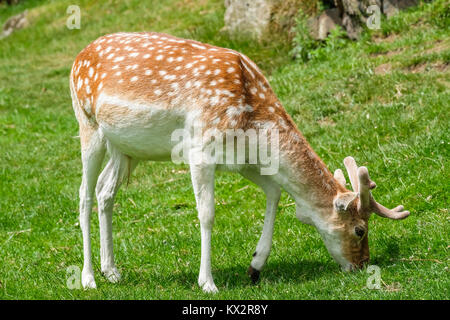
149 84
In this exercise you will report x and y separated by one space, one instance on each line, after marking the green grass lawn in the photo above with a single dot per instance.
384 100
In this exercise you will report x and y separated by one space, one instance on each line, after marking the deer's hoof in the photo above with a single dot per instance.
209 288
112 275
207 284
254 274
88 281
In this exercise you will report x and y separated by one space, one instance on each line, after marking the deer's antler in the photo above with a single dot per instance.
361 183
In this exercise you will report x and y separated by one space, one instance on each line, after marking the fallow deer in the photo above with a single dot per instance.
130 91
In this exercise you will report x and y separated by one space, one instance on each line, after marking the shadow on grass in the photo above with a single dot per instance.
295 271
389 252
236 276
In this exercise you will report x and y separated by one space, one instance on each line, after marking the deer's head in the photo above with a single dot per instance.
347 235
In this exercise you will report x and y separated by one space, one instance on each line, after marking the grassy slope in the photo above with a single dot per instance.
395 123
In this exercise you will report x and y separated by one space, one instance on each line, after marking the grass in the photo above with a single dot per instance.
394 122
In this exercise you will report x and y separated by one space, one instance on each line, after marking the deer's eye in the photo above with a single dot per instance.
360 231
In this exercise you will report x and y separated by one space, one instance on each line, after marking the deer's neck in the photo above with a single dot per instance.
304 175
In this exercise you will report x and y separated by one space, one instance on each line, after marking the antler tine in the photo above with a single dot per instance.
364 187
395 214
398 208
368 204
350 165
339 175
361 183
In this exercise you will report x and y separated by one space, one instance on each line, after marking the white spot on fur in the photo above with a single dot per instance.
248 108
233 112
170 77
79 84
216 121
197 46
214 100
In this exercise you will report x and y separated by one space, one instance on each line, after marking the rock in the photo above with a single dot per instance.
349 14
320 27
285 13
14 23
247 17
354 15
258 17
391 7
352 25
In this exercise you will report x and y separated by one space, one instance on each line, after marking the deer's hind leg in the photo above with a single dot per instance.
93 149
116 171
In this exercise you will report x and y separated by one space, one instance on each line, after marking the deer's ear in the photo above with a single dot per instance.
344 200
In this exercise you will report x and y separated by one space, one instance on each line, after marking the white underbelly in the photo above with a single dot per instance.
141 143
141 131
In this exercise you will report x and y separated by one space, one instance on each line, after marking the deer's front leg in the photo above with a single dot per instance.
273 193
203 183
265 242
